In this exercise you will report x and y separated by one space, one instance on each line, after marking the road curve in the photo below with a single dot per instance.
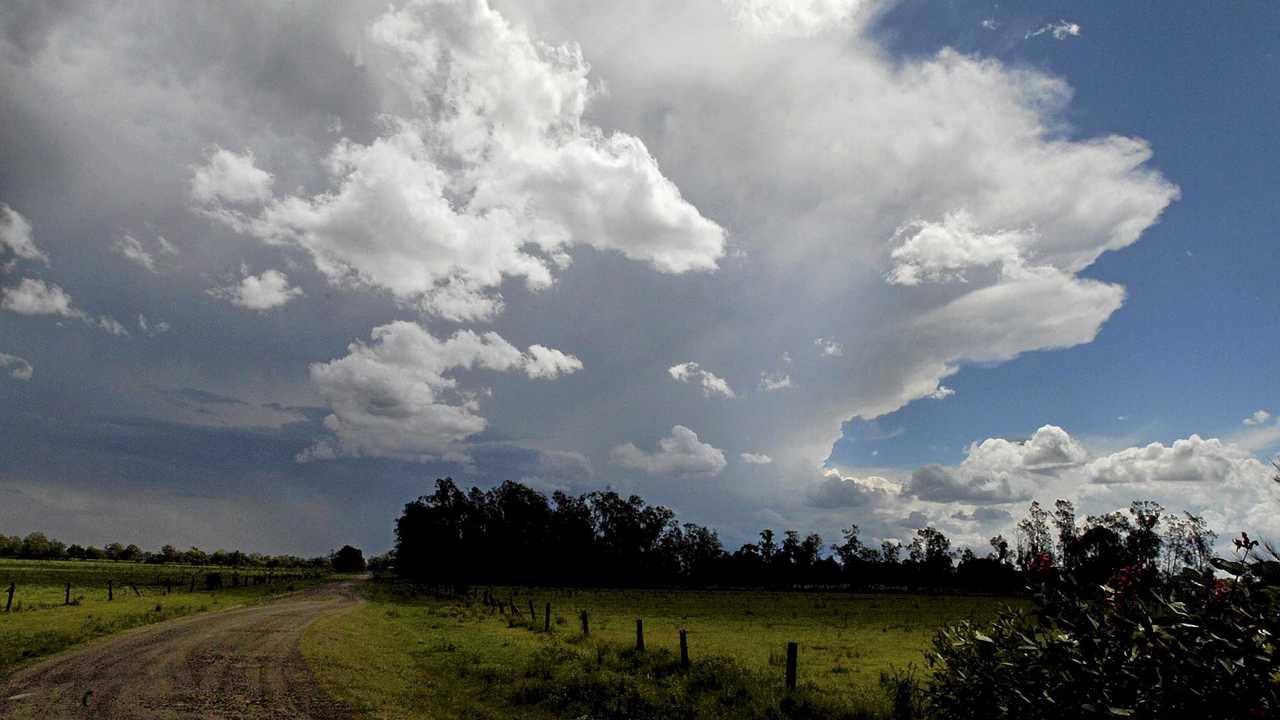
244 663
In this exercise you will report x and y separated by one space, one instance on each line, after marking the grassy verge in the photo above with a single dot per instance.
40 624
406 654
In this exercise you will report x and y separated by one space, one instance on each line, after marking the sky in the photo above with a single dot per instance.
267 271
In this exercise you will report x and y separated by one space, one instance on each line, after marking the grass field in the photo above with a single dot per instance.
413 655
41 624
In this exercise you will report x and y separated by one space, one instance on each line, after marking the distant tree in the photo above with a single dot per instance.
348 560
1034 540
131 553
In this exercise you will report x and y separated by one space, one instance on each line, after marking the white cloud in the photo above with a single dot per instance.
1193 459
841 490
942 393
36 297
679 454
19 369
1060 30
711 384
228 177
494 175
770 381
990 24
829 348
1259 417
999 470
396 397
1049 447
131 249
926 251
755 458
259 292
793 18
547 363
150 328
17 239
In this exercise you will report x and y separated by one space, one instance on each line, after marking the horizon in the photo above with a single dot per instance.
266 274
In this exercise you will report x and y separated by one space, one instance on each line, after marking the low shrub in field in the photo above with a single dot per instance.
1197 646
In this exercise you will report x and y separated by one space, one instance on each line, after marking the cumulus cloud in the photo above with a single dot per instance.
18 368
36 297
16 238
1192 459
262 292
1060 30
927 251
679 454
1259 417
841 490
229 177
495 175
755 458
396 396
547 363
711 384
999 470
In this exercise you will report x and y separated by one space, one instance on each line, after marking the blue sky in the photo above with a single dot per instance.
1189 352
788 263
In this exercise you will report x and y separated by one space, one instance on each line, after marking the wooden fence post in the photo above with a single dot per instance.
546 624
533 615
639 635
8 604
684 648
586 630
66 599
791 666
193 583
110 591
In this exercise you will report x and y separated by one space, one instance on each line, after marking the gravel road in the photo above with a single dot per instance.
242 663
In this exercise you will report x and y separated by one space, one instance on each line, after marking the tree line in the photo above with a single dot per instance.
513 534
38 546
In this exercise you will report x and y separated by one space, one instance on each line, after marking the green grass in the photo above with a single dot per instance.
406 654
41 624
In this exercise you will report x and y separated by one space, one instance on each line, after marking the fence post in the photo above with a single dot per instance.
533 615
546 624
586 630
66 599
8 604
110 591
791 666
684 648
193 583
639 635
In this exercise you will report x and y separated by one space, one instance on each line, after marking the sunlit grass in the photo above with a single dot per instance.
406 656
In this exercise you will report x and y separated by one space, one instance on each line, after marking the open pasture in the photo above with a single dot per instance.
408 653
44 617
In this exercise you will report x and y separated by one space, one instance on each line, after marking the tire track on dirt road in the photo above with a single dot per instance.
244 663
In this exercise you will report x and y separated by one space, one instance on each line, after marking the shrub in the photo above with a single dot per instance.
1193 646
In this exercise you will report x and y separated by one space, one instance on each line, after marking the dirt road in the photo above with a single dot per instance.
243 663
